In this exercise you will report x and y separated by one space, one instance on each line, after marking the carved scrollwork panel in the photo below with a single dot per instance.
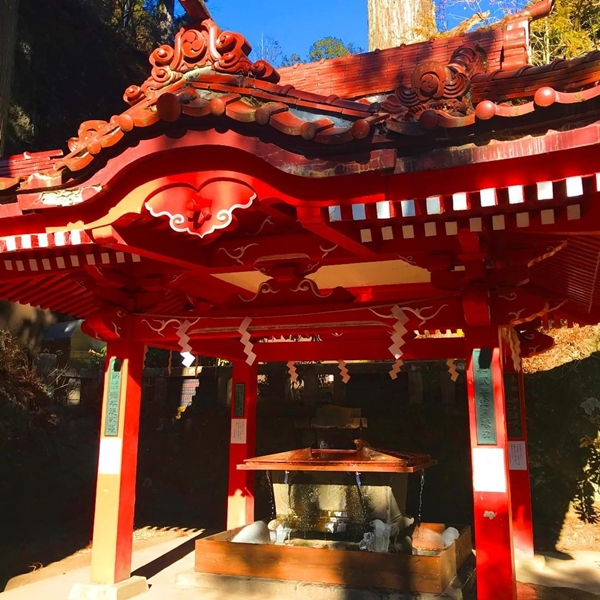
203 45
200 211
439 87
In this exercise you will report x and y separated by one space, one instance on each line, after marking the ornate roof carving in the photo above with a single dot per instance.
207 73
439 87
195 47
202 211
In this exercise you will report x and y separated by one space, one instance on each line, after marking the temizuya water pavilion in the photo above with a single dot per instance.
350 204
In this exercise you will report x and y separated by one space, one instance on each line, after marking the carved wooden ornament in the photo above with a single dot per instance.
204 45
200 211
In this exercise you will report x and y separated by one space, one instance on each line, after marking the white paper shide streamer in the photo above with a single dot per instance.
343 371
399 332
396 368
291 366
248 346
515 349
184 343
514 344
452 369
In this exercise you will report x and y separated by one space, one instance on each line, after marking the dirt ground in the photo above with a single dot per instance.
577 535
27 558
21 564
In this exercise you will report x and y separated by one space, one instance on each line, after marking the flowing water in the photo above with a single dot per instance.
361 497
271 496
286 481
389 501
421 495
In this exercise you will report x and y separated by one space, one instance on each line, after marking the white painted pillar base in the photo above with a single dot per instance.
134 586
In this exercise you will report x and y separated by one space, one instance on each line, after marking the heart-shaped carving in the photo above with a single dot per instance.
200 211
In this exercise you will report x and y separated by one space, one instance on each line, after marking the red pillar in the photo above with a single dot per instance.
489 452
518 461
117 463
242 444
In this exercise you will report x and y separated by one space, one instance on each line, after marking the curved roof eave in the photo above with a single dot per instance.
206 81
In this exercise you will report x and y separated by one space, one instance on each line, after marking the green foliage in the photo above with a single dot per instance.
573 29
19 383
291 60
24 396
329 47
97 359
140 23
563 432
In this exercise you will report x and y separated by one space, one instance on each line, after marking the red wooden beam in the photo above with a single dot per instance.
241 253
115 492
178 255
242 444
442 315
314 219
232 350
420 349
520 479
491 484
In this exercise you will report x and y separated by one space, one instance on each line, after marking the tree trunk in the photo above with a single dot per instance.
166 17
8 39
396 22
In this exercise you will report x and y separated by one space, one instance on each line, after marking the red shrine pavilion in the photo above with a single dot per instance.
338 210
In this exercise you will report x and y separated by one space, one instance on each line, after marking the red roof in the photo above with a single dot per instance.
469 102
224 194
19 167
506 45
383 71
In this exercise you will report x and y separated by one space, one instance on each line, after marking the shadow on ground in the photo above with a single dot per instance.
539 592
47 479
36 550
166 560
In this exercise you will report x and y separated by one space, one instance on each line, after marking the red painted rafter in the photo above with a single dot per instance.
175 255
316 220
240 253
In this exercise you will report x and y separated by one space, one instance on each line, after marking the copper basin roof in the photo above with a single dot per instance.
363 459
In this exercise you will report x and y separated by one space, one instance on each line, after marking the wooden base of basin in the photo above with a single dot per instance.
433 574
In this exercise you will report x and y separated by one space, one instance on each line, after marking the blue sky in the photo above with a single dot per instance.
296 24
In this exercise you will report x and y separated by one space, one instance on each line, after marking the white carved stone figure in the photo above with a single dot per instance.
255 533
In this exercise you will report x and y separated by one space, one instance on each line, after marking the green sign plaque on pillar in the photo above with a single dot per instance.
239 400
514 421
113 398
484 397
